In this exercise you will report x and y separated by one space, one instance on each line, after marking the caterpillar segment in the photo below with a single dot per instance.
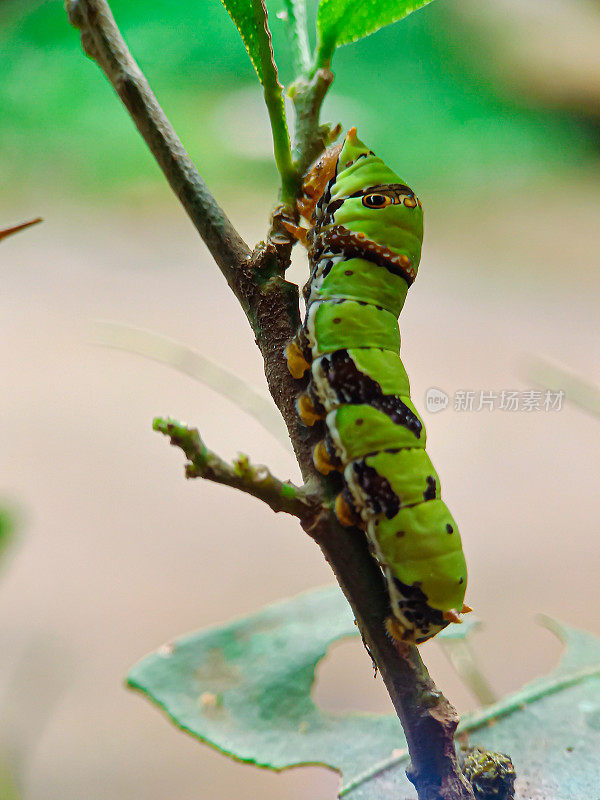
364 244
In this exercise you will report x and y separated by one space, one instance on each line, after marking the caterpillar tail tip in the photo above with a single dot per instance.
452 616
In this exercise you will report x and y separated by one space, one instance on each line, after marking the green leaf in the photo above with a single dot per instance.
343 21
245 689
250 18
8 789
6 530
550 728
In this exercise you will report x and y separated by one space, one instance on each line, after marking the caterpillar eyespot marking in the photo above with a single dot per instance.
376 200
364 247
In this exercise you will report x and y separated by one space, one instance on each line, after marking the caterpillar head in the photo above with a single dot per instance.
349 188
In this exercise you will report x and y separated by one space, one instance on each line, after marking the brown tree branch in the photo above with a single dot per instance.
102 41
255 480
428 719
271 305
308 94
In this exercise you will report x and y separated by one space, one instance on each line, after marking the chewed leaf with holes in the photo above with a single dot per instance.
551 729
245 689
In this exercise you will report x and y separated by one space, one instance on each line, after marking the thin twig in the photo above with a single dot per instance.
307 95
16 228
271 305
255 480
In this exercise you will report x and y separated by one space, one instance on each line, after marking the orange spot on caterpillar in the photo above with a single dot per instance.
396 630
306 410
297 364
322 460
343 512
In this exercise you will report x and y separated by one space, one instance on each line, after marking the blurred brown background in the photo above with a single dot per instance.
116 552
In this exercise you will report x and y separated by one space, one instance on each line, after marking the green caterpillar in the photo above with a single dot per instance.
364 249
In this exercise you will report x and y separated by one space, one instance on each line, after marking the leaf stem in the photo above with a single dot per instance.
273 92
324 53
460 655
102 41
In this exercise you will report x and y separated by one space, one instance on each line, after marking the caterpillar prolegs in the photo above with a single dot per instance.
364 245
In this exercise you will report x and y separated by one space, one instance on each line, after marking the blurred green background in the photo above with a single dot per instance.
489 109
426 90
